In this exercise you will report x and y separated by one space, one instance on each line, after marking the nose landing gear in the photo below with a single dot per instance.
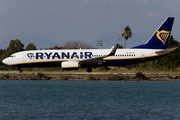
20 71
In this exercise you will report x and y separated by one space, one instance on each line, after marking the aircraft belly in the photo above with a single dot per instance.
123 62
40 64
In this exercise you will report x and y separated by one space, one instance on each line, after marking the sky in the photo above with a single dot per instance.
85 20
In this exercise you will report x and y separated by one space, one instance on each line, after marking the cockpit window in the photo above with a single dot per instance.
12 56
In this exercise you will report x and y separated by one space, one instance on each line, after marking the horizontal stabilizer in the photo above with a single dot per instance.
166 51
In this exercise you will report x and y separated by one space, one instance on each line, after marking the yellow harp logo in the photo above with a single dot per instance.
163 35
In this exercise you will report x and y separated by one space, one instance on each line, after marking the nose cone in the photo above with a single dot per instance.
6 61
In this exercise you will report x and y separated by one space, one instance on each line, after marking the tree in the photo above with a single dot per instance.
173 42
31 46
55 47
120 46
14 46
76 45
2 51
127 33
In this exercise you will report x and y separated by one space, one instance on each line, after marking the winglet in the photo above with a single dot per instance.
114 50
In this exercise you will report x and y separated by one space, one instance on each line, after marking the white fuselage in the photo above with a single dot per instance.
34 57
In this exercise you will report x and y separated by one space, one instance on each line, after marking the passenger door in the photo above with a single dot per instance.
24 57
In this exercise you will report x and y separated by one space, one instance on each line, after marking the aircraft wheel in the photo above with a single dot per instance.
89 70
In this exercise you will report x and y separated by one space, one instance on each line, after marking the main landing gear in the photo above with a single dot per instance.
89 69
20 71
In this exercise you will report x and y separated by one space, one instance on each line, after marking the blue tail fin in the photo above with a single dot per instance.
160 39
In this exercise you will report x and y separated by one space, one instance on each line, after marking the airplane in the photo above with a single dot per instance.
73 59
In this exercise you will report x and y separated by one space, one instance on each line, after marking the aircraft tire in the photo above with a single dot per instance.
89 69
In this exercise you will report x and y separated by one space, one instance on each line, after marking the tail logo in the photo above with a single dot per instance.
163 35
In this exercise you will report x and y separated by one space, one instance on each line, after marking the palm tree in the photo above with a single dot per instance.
127 33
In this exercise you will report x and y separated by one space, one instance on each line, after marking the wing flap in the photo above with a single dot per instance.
91 60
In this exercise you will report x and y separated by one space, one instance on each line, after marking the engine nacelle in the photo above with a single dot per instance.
70 65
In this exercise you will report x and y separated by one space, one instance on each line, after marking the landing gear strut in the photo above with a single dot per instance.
19 68
20 71
89 69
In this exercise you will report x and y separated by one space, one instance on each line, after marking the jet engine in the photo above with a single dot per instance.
70 65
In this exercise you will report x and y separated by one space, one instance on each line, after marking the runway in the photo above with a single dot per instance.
56 72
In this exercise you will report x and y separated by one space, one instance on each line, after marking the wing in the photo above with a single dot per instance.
98 59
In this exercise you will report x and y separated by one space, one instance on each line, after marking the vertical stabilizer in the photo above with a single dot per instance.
160 39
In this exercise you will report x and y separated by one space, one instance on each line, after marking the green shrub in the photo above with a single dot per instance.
6 76
41 75
140 75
